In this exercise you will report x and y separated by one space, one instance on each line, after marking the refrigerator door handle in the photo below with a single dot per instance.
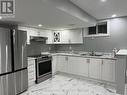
22 54
6 58
0 59
14 37
7 85
21 80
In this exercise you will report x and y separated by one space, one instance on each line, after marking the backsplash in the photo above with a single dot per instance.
37 47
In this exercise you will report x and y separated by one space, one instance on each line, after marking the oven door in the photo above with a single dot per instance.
44 67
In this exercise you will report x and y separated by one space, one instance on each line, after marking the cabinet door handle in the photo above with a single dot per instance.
102 62
88 60
66 58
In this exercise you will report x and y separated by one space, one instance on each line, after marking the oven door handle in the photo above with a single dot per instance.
44 61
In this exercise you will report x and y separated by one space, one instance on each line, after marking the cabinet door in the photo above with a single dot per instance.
54 62
83 67
56 37
95 68
108 70
78 65
49 34
31 72
73 66
65 36
62 63
76 36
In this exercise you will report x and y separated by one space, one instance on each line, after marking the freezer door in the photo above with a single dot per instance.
20 56
21 81
7 86
5 51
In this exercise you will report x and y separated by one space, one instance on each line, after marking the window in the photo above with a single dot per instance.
101 29
92 30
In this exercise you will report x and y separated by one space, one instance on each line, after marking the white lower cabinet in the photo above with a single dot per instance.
108 70
95 68
78 66
54 63
62 64
31 72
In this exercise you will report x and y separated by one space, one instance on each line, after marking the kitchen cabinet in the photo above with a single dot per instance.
108 70
95 68
54 63
73 65
72 36
57 36
76 36
30 32
78 66
37 32
31 72
62 64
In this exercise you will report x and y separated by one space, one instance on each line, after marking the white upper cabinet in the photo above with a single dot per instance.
37 32
76 36
72 36
30 32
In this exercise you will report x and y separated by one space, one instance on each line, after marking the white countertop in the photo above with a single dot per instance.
87 56
122 52
31 58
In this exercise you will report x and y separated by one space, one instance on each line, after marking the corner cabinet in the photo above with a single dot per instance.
62 63
54 63
78 65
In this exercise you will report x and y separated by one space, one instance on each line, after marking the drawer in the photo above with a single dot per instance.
31 78
31 66
31 63
31 83
31 74
29 69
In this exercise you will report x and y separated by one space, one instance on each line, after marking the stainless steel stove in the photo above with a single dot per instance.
43 67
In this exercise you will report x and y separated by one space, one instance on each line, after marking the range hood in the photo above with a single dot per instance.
38 38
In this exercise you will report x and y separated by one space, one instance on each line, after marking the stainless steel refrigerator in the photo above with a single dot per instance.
13 62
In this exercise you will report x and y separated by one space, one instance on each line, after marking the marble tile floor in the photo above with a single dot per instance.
65 85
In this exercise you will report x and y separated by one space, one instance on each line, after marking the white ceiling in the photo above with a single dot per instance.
34 12
103 10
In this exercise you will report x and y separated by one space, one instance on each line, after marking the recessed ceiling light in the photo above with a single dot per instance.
114 15
40 25
0 17
103 0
